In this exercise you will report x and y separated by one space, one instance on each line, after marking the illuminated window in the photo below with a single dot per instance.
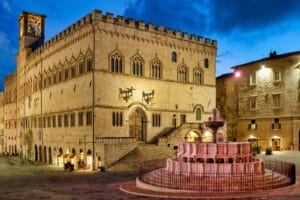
182 74
252 79
137 66
174 56
206 63
253 105
116 62
156 69
277 76
277 100
156 120
252 125
198 76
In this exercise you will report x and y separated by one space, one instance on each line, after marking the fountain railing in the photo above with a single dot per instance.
276 174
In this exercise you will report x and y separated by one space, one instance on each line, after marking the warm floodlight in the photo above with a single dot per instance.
237 74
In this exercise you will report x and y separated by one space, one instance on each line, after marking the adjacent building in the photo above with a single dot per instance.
261 101
101 85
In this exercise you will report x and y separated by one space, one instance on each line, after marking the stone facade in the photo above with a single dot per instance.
266 97
11 138
106 77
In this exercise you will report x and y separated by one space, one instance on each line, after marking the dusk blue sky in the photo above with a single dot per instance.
245 30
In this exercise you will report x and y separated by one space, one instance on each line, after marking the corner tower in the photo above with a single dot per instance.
31 30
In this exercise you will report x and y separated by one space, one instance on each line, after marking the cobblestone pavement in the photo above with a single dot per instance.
32 181
38 181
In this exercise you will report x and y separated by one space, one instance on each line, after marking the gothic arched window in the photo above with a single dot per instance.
182 74
198 76
156 69
81 65
198 114
89 62
137 66
116 62
174 56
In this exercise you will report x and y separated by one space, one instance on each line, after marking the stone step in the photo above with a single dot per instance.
142 153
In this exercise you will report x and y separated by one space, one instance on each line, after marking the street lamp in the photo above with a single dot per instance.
237 74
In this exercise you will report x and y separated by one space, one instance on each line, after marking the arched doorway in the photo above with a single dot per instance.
137 125
207 136
50 155
276 143
36 153
192 136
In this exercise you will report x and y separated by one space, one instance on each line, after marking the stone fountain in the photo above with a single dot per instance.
210 166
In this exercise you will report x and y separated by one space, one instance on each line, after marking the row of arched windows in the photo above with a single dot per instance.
63 72
156 68
183 75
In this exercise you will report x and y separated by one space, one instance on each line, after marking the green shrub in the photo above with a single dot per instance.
255 149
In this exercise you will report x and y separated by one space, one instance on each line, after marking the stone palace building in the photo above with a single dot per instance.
261 101
102 85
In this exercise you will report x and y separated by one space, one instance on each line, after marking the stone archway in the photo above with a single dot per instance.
193 136
137 125
207 136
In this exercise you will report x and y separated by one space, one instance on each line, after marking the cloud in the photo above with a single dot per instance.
251 15
187 15
221 17
6 6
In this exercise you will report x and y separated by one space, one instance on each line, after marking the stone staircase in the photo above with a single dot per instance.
176 135
143 152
